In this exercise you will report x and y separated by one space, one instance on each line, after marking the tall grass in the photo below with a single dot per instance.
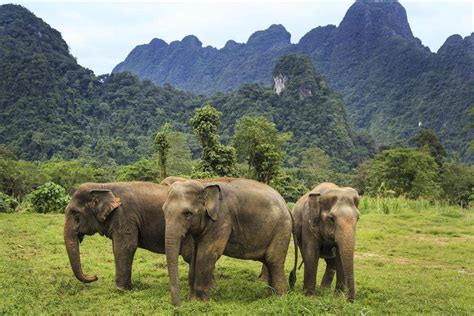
392 205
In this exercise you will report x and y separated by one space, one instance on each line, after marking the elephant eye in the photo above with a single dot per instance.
331 218
188 214
76 216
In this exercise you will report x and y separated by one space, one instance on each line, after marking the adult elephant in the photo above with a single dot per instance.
129 213
239 218
325 221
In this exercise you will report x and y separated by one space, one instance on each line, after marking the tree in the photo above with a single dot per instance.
162 144
258 141
217 159
457 182
18 177
142 170
315 166
427 140
180 162
70 174
406 171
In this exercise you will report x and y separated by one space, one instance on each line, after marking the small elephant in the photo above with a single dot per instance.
129 213
325 221
239 218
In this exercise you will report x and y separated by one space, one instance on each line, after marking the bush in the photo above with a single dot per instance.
7 203
289 187
406 172
49 198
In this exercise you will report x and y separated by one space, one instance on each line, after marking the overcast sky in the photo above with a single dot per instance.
101 34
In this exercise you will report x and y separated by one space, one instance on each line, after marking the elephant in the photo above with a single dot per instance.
129 213
238 218
325 223
172 179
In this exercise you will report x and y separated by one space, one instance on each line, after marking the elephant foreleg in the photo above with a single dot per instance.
208 251
124 248
329 273
310 253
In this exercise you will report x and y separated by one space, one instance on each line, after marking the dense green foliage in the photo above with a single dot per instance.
391 83
405 171
261 146
428 141
7 203
162 145
457 182
217 159
49 198
114 119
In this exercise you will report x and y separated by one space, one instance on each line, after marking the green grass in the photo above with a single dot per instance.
407 262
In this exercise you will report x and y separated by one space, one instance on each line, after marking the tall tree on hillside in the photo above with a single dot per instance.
258 141
427 140
409 172
162 144
217 159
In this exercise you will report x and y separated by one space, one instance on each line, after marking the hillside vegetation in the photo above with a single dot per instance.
51 107
390 82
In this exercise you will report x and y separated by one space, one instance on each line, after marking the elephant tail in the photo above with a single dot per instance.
292 277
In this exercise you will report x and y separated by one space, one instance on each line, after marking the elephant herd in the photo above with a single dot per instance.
201 220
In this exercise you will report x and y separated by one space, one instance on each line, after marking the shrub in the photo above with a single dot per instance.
406 172
49 198
7 203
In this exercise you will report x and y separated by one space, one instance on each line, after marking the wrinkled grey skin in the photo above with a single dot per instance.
238 218
172 179
325 221
129 213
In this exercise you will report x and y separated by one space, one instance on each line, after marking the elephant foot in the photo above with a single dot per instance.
202 295
310 292
123 288
191 295
340 288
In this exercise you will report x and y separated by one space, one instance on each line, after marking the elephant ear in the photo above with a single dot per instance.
314 206
212 193
105 202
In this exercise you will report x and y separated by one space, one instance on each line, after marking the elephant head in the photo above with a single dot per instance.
86 214
189 207
335 214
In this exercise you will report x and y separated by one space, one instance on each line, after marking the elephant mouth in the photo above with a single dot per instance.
80 236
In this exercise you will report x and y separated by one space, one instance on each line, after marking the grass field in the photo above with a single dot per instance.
415 259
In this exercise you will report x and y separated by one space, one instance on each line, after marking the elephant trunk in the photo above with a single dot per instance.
346 252
71 239
172 245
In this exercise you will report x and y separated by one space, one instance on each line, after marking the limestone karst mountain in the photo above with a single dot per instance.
390 82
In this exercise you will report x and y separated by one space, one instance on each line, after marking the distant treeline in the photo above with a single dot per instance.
257 150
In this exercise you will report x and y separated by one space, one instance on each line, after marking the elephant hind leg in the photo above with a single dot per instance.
329 273
275 256
264 274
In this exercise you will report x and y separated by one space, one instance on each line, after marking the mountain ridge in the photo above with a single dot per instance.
372 57
114 118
